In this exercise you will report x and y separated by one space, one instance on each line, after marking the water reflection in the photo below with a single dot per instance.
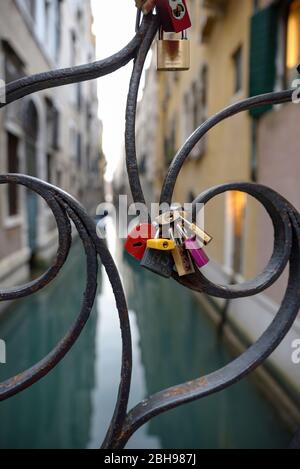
108 360
178 343
56 412
173 341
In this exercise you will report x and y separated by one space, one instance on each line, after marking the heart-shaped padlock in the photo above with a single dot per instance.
174 15
136 243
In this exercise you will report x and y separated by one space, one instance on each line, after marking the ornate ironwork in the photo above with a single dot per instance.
285 219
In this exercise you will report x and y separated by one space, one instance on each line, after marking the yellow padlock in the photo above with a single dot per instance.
161 244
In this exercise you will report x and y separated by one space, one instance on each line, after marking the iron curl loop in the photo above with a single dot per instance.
279 211
239 368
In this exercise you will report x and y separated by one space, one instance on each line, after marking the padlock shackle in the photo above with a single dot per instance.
157 232
172 237
182 232
184 35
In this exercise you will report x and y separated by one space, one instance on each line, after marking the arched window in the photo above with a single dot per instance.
31 5
30 121
293 41
31 130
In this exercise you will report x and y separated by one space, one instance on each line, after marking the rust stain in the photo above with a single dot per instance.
187 387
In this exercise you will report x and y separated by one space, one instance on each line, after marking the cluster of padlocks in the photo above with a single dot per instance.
171 243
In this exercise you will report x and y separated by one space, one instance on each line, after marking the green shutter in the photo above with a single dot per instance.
264 27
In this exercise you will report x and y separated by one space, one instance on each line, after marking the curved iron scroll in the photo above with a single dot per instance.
285 219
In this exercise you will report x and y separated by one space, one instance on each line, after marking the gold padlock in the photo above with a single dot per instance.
173 54
183 263
204 237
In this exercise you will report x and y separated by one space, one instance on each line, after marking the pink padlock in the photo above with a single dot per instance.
197 253
192 245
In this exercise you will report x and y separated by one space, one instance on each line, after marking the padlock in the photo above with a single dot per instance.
202 235
158 262
173 54
136 243
161 244
192 245
174 15
181 256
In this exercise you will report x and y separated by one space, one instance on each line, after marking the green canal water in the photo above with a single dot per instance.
173 340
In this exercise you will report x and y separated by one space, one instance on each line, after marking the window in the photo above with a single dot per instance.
50 168
88 157
52 138
14 67
143 165
59 178
57 27
293 41
73 48
79 150
31 130
204 89
47 20
187 116
79 97
12 167
195 110
263 51
31 6
238 70
170 143
73 142
53 120
202 107
89 116
79 18
195 105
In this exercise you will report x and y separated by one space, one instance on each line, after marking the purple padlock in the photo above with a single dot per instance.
192 245
197 253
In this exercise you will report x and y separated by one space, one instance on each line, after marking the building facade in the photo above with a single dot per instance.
54 135
238 49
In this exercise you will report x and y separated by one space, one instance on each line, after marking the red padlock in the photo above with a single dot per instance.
174 15
136 243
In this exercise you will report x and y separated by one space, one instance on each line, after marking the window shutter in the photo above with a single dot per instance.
264 25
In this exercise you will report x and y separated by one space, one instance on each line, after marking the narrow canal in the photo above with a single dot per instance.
174 341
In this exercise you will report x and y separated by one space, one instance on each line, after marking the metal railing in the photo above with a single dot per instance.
285 219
